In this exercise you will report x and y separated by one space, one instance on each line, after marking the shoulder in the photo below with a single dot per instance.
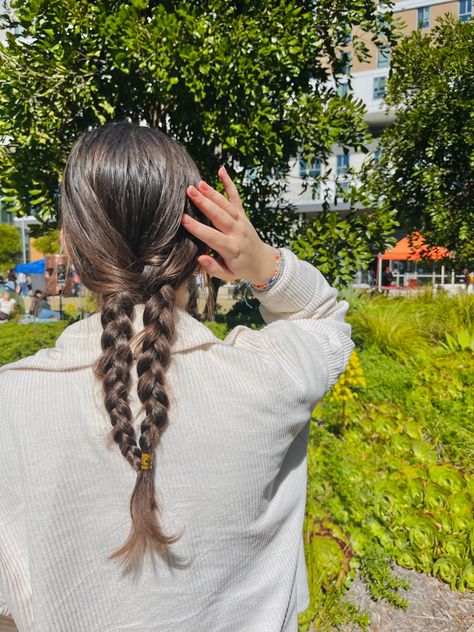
286 348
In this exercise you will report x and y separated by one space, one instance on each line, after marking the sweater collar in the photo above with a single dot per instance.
79 344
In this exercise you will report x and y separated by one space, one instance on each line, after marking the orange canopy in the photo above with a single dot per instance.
402 251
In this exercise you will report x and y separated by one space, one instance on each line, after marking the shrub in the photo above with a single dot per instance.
19 341
384 477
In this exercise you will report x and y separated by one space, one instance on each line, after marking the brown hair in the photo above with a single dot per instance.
122 197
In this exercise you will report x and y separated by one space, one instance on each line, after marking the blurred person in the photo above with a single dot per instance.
11 279
35 302
470 287
7 305
22 284
44 308
76 281
387 277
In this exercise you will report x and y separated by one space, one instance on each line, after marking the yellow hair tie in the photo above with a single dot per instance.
147 461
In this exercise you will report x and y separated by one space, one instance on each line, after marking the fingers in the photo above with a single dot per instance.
210 236
215 268
219 199
230 188
213 211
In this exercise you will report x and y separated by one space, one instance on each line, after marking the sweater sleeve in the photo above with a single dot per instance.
15 597
306 336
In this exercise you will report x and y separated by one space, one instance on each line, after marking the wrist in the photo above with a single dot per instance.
269 271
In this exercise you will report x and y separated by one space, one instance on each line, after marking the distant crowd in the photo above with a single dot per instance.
17 286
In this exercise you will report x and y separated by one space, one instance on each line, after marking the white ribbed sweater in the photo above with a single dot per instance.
230 469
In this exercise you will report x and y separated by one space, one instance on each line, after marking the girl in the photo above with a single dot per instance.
190 517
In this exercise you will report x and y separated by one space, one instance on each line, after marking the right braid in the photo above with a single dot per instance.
113 369
154 354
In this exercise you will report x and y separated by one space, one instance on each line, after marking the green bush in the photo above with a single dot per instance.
220 330
392 468
243 312
19 341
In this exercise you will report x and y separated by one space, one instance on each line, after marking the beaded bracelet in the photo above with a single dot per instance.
279 263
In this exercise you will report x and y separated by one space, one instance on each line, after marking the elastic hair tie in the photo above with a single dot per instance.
147 461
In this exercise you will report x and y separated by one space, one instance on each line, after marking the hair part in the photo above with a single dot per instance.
122 197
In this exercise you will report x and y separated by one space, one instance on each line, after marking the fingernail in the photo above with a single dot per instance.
185 220
192 191
203 186
223 169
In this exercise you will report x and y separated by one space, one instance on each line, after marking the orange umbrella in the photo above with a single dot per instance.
403 251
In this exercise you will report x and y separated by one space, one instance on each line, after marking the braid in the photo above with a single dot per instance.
154 358
113 369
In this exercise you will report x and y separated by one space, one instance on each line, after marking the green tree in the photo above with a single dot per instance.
48 243
241 83
10 246
426 170
339 245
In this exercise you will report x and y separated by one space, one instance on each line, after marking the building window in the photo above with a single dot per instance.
342 182
6 217
424 18
379 87
315 169
312 170
303 169
342 164
383 57
465 9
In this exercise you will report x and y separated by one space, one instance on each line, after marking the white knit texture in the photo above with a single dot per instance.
230 470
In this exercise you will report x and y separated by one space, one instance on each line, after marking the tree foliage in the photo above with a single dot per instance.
426 170
339 245
48 243
10 245
241 83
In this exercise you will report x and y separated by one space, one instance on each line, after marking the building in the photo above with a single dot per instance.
367 82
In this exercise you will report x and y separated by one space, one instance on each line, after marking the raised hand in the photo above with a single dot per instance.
242 254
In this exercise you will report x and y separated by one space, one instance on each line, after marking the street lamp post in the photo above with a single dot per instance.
23 223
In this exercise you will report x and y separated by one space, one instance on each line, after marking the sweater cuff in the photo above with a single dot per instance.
291 294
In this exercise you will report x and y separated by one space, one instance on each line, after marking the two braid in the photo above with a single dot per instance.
154 354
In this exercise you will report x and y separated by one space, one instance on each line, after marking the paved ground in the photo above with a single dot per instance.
433 607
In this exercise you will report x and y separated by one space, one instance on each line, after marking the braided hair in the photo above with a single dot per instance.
122 197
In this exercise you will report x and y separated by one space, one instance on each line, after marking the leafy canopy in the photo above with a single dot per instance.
10 245
339 245
241 83
426 170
